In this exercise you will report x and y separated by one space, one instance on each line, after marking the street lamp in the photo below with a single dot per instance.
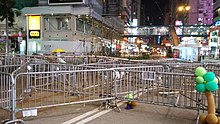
184 10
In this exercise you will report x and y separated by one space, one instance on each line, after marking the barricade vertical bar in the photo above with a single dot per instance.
192 94
136 86
95 83
13 98
179 94
115 89
185 90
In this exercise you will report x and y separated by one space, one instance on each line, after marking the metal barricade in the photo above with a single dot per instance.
35 90
214 67
38 84
188 68
8 68
5 91
16 121
162 88
12 59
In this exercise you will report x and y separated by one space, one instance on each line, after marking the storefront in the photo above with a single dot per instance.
189 49
214 42
59 25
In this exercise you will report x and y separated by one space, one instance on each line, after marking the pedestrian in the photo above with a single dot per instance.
203 56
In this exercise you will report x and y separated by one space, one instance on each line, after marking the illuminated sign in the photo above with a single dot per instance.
34 26
34 33
34 23
217 23
3 39
58 2
178 23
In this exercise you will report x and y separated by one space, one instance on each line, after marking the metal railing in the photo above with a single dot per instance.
34 85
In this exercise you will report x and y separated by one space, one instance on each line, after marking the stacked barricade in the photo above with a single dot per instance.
12 89
35 90
39 84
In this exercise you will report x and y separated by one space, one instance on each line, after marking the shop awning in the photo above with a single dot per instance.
17 35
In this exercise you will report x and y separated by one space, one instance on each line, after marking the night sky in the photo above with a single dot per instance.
154 11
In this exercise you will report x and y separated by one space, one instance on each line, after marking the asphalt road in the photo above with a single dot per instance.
142 114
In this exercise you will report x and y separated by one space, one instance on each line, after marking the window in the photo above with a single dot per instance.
80 25
63 23
57 23
88 28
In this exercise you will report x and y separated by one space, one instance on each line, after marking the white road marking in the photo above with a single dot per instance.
96 115
81 116
87 119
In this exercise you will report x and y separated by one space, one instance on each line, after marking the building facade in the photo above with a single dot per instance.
201 12
80 28
214 42
216 10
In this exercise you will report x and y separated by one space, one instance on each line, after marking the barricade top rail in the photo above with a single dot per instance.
141 69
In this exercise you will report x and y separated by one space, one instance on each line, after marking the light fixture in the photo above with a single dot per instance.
184 8
180 8
187 8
